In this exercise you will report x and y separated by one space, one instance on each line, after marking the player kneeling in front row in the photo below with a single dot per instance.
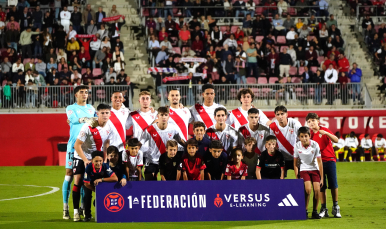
133 158
236 169
92 137
95 173
215 161
271 161
307 153
170 162
192 163
118 168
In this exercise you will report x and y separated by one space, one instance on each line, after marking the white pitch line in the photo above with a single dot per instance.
54 189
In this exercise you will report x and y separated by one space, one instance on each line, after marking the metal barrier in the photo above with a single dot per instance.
354 95
35 97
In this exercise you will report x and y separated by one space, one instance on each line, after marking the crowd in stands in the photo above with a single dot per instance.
261 45
57 43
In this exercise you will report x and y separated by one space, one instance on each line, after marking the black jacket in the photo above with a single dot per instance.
97 15
76 18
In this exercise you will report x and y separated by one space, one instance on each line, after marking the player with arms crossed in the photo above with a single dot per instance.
157 136
77 115
142 118
255 130
205 112
307 154
285 130
179 117
118 119
379 144
324 137
221 131
94 137
238 116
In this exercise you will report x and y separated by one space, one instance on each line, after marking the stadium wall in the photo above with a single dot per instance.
31 139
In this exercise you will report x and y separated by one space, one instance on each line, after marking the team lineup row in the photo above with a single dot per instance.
244 133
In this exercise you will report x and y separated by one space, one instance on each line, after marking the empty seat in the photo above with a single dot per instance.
97 72
251 80
259 38
281 40
293 71
272 80
262 80
301 71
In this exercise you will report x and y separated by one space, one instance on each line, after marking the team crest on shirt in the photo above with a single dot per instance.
70 163
227 136
174 163
291 131
185 112
241 172
123 112
171 113
261 136
107 131
320 135
170 135
82 134
90 111
152 116
70 112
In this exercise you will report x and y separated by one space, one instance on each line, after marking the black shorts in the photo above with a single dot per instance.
78 166
288 165
151 168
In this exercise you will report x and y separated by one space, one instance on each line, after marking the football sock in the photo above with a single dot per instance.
76 211
350 158
337 155
378 156
362 158
335 203
345 154
66 188
324 206
65 206
82 196
76 196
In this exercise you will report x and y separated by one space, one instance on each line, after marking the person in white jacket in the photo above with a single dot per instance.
366 145
330 76
292 53
231 42
351 144
65 17
94 46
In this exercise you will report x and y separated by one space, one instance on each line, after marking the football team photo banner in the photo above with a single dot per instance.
182 201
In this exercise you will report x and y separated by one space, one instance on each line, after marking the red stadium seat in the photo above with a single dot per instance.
97 72
177 50
361 137
301 71
314 69
215 76
26 60
84 71
320 59
259 38
281 40
262 80
293 71
272 80
98 81
296 80
251 80
234 29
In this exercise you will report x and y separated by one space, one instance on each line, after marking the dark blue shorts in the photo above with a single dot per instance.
330 177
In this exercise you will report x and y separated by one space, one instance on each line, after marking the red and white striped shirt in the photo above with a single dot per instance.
204 114
239 117
260 134
118 121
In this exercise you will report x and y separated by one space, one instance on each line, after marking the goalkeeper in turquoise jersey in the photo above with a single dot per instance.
77 114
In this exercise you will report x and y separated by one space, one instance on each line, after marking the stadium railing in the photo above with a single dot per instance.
302 95
370 10
15 99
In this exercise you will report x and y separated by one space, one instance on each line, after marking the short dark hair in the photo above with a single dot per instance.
253 111
163 110
366 135
379 136
97 154
281 108
250 140
207 86
171 143
198 124
216 144
312 116
81 87
112 149
337 134
304 130
103 106
244 92
192 142
174 89
133 142
270 138
220 109
116 91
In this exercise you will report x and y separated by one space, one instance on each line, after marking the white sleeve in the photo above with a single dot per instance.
230 119
129 122
125 157
191 119
318 153
356 142
263 118
371 143
145 137
296 154
84 131
363 142
140 158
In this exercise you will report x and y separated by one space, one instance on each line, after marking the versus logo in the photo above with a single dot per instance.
288 201
218 201
243 200
114 202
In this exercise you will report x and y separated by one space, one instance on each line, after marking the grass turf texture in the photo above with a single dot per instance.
361 196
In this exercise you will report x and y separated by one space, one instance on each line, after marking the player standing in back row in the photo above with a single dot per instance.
205 112
285 129
77 114
239 116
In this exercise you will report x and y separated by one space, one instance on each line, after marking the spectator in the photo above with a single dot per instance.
197 45
60 38
13 13
73 45
119 65
285 61
168 45
95 45
343 80
31 91
25 20
187 4
47 40
76 19
6 68
229 69
252 61
122 76
84 57
291 51
28 75
333 31
270 8
17 66
333 51
128 82
323 8
225 53
318 79
106 42
87 76
150 23
162 55
110 74
184 37
64 75
299 24
65 17
61 54
355 75
240 8
38 18
282 7
99 16
99 57
331 77
301 59
48 21
170 24
216 35
338 43
312 57
330 61
343 64
273 60
304 31
366 22
250 8
88 15
331 22
288 22
154 45
30 65
240 71
162 34
26 41
278 25
231 43
41 67
188 53
12 37
93 29
307 75
52 64
291 35
247 25
75 65
39 80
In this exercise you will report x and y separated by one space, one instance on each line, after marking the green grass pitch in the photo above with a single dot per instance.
362 197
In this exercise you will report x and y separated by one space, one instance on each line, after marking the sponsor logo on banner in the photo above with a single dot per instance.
114 202
218 201
289 201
